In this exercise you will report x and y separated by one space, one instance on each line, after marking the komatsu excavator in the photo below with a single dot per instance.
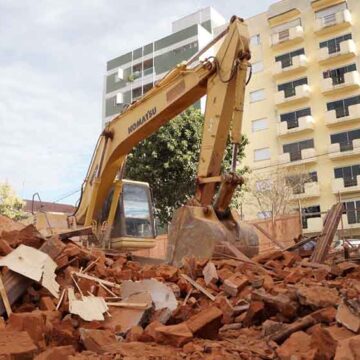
120 210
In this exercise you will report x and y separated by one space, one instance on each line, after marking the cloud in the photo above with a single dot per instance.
52 63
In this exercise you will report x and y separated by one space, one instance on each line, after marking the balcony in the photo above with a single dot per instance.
314 225
350 81
311 190
353 116
347 225
307 156
306 124
301 93
336 153
338 186
287 37
299 63
333 22
347 49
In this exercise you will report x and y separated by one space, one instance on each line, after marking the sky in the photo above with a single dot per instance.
53 57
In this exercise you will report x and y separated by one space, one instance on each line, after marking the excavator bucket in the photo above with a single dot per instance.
197 231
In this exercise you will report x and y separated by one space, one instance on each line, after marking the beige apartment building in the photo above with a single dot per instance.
303 105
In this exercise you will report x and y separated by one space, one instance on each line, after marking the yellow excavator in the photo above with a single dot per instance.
120 211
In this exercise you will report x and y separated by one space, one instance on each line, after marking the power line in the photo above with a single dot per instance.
67 195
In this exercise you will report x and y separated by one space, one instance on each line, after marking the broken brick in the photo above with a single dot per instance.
206 323
347 318
235 283
16 345
176 335
317 296
56 353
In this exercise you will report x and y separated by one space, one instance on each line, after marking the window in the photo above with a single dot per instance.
287 59
257 67
328 15
136 71
345 139
181 49
341 107
148 67
333 45
147 87
297 182
259 124
338 75
349 174
263 185
286 26
352 211
264 215
290 87
310 212
257 95
262 154
292 118
294 149
255 40
137 92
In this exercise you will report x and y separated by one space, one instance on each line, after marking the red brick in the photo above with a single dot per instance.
175 335
56 353
16 345
47 303
206 323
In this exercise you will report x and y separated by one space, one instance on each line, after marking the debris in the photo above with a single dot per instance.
33 264
4 297
16 345
162 296
347 318
210 273
198 286
89 308
348 349
175 335
317 296
331 224
100 281
206 323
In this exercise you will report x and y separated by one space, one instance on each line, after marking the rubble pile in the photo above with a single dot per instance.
279 305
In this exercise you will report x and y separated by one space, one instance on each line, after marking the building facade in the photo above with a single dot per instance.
131 74
302 106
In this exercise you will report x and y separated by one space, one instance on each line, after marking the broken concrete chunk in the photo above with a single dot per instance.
210 273
206 323
348 349
96 340
56 353
33 264
347 318
89 308
176 335
16 345
162 296
235 283
317 296
297 346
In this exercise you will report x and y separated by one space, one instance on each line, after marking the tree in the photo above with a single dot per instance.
168 161
10 204
272 193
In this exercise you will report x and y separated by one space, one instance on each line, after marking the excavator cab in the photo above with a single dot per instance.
134 224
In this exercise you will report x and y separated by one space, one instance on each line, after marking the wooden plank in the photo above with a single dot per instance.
5 298
16 284
104 282
197 286
300 243
326 237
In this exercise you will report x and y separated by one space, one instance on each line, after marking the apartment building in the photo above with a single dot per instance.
132 74
302 110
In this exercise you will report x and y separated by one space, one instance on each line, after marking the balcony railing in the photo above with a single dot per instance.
288 36
298 63
305 123
333 22
311 190
306 156
348 81
344 185
352 114
346 49
335 151
301 93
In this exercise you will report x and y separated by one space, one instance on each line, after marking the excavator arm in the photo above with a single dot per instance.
221 78
195 228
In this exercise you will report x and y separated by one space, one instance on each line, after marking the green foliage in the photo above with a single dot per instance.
168 161
10 204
